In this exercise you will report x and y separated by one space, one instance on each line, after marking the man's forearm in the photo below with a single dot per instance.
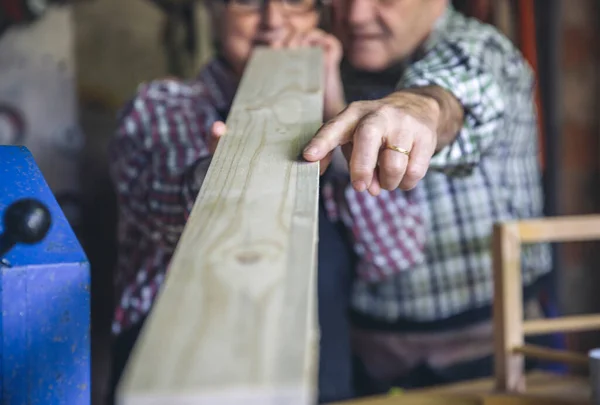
451 113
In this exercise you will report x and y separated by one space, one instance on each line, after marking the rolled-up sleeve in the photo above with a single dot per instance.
467 73
160 141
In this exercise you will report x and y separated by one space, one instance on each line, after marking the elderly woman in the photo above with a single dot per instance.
162 150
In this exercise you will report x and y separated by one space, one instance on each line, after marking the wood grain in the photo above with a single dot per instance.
577 228
545 353
575 323
507 309
236 322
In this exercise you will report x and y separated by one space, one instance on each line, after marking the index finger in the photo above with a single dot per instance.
367 140
337 131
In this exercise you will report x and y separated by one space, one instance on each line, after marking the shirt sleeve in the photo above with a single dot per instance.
159 146
465 67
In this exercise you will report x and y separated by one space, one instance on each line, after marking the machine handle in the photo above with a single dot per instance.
25 221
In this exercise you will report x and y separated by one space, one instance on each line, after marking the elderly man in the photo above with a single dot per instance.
440 139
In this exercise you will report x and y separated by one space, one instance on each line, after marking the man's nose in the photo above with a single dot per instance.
361 11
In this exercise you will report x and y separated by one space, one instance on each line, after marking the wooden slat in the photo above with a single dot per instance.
527 399
560 229
236 322
542 388
544 353
578 323
489 399
409 398
538 383
507 309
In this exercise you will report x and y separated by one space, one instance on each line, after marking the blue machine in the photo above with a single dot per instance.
44 292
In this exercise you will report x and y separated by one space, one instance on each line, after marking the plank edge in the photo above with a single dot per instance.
229 396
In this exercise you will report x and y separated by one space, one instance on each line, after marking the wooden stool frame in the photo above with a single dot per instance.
509 327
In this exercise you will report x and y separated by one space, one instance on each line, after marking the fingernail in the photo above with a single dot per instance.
359 185
311 150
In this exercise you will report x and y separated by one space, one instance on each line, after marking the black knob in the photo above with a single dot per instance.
26 221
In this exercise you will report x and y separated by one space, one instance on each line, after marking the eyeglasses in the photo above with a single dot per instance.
288 6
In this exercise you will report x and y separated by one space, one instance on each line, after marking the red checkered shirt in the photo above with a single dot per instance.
159 146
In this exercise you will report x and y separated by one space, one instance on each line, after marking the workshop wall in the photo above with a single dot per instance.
579 184
38 103
142 37
581 119
117 46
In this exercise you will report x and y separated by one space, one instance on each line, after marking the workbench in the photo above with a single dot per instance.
543 389
44 292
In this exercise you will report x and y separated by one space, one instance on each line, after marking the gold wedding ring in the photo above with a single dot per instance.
398 149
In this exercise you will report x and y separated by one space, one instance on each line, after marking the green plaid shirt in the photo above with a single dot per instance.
490 173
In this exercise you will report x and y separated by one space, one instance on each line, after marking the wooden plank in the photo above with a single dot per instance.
544 353
577 228
507 309
236 321
575 323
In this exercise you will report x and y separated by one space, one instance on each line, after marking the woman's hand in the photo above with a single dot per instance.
334 100
217 130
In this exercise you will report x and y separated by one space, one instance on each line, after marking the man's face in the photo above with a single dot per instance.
379 33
